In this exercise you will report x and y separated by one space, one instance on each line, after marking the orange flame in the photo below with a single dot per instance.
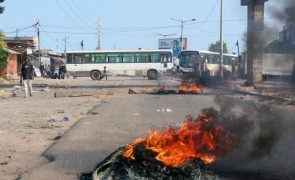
183 87
198 138
191 88
195 89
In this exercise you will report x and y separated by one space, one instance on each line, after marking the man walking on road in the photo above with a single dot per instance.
27 76
105 73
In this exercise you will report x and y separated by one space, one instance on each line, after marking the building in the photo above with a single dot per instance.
21 44
12 68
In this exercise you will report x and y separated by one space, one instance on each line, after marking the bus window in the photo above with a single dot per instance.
114 58
188 60
143 58
128 58
155 58
216 59
164 58
70 59
100 58
87 59
210 59
77 59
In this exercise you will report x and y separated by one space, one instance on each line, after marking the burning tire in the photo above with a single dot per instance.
152 74
95 75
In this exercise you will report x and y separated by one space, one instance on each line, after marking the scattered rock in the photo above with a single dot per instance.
3 163
60 111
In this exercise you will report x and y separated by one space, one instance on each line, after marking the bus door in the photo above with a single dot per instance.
164 60
77 69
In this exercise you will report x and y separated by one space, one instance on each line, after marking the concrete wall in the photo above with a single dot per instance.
278 64
11 67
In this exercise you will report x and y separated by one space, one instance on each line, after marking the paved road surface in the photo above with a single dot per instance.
112 82
118 121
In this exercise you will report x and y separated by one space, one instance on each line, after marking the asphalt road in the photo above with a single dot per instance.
117 121
112 82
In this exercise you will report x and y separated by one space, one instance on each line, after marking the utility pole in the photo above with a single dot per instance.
65 50
221 40
98 34
181 35
182 26
57 45
38 33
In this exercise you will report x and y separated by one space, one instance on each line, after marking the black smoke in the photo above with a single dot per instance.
265 136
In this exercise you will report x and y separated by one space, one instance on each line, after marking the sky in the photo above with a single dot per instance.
125 24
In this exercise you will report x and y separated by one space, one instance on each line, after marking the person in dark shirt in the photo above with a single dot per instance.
27 76
105 74
42 68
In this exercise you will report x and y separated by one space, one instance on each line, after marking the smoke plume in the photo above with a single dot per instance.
283 10
264 137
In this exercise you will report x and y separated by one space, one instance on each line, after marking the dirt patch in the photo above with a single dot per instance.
30 125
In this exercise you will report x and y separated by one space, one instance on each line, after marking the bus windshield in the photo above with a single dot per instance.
188 60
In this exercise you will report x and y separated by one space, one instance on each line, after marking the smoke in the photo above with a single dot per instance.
264 137
282 10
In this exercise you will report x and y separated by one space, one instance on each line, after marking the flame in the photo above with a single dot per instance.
183 87
195 89
198 138
191 88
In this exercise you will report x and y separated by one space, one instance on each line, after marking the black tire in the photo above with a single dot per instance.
152 74
95 75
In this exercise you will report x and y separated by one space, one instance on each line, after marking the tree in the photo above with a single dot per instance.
3 52
1 7
215 47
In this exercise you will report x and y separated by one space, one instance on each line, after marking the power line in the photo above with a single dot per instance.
47 33
74 12
69 27
210 14
20 29
65 11
80 10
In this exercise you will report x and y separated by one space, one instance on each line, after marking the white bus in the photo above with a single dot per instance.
195 63
212 62
146 63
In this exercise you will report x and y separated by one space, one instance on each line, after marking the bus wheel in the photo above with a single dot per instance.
95 75
152 74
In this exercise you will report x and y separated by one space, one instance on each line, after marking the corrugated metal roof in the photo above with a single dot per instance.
11 51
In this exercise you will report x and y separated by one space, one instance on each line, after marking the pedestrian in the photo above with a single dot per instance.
27 76
61 71
105 74
42 69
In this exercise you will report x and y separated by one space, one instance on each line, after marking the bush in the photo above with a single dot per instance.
3 57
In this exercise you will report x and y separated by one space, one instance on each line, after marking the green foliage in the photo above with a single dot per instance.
215 47
3 54
3 57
